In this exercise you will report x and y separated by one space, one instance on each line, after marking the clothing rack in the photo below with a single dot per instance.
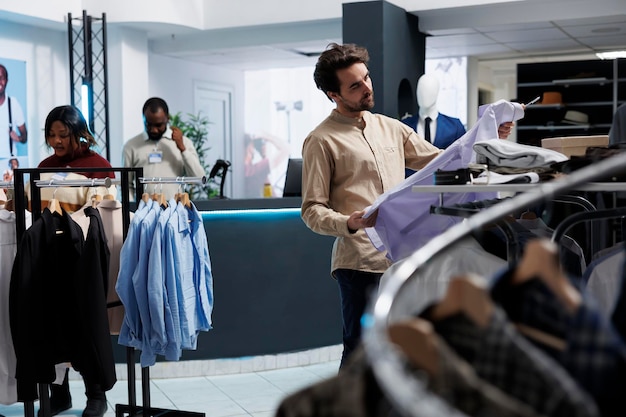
131 409
405 391
576 218
93 182
468 209
173 180
20 226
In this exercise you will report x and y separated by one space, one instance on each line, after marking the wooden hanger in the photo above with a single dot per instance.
528 215
541 261
9 205
184 199
55 206
160 199
466 294
417 340
95 199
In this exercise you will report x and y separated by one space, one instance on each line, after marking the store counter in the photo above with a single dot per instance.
272 288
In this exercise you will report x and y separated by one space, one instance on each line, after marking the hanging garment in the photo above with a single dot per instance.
502 357
91 290
57 285
603 278
203 277
431 281
539 228
455 390
167 287
131 329
163 333
8 249
111 215
592 352
495 242
112 221
618 316
177 236
404 222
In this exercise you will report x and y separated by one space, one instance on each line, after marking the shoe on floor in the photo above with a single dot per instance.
57 407
96 407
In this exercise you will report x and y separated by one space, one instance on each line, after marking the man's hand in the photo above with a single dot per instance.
356 220
177 135
504 130
14 136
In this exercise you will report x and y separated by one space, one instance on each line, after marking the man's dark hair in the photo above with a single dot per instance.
154 104
334 58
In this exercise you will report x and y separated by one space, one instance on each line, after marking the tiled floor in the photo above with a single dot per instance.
254 393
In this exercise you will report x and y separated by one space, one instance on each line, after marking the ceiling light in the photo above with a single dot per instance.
606 30
611 55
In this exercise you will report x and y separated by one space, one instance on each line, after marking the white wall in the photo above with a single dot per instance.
173 79
128 86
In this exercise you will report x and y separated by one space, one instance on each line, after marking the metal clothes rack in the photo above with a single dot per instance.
406 391
131 409
466 210
173 180
20 225
570 221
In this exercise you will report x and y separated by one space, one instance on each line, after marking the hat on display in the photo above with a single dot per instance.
552 97
575 117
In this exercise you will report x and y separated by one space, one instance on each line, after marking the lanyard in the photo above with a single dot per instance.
10 126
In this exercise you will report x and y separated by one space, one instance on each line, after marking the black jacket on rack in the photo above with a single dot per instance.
57 304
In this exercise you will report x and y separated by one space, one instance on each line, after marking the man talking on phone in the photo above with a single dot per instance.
161 149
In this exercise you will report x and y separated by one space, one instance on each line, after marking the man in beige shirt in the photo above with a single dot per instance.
349 160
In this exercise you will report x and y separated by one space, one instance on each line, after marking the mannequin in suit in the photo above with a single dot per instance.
444 130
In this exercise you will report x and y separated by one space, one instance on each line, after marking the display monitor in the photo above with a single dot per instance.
293 179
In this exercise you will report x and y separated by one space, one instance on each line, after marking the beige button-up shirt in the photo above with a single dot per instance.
347 164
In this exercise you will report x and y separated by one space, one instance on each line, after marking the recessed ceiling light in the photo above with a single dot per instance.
606 30
611 54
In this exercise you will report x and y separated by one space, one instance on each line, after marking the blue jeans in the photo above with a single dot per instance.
356 288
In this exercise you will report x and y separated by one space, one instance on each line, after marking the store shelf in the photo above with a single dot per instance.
591 87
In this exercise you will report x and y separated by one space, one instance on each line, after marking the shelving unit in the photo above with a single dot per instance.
593 87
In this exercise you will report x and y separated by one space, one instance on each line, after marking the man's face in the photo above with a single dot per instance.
355 90
3 80
155 123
